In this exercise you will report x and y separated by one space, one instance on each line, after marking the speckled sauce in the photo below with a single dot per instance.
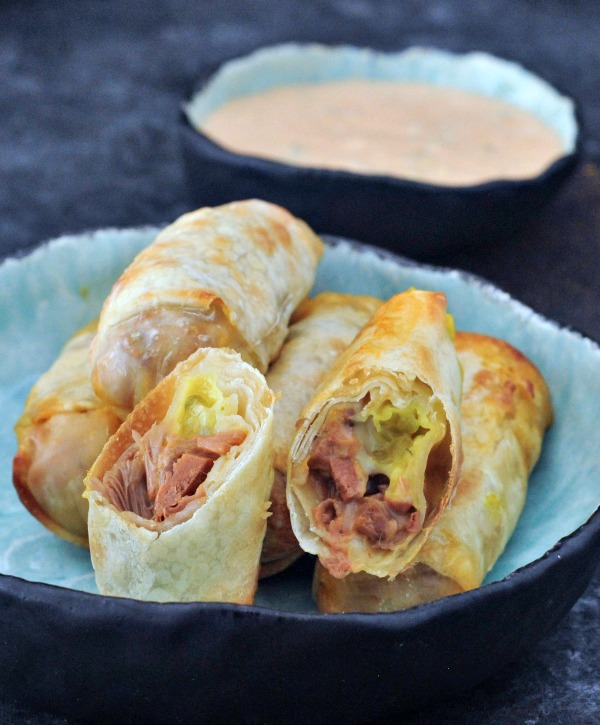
417 131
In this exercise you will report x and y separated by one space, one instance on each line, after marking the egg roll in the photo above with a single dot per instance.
321 329
506 409
60 433
228 276
378 451
178 497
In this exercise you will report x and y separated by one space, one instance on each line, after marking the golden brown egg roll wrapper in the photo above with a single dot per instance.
378 451
228 276
163 527
322 328
505 410
61 432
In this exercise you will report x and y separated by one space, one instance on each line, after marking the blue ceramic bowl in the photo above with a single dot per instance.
408 217
69 650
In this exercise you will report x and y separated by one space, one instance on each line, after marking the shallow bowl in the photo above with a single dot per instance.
408 217
68 650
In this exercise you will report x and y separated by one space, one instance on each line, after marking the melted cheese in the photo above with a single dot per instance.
397 442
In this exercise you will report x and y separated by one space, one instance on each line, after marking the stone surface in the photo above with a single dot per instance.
89 105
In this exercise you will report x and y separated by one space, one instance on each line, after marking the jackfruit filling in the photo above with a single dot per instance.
169 466
376 469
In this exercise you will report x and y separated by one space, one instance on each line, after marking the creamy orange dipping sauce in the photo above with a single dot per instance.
413 130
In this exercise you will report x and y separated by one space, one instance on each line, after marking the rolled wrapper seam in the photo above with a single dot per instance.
402 370
228 276
209 549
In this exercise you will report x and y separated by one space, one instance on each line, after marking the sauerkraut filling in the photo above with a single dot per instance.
375 469
169 467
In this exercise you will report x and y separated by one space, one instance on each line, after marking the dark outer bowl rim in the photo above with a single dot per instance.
282 169
565 549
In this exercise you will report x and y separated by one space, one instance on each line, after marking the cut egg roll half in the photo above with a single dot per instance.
61 432
178 498
505 410
228 276
378 450
321 329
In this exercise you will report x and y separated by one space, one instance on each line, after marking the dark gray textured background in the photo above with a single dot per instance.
89 101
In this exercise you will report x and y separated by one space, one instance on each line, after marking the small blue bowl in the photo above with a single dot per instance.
405 216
